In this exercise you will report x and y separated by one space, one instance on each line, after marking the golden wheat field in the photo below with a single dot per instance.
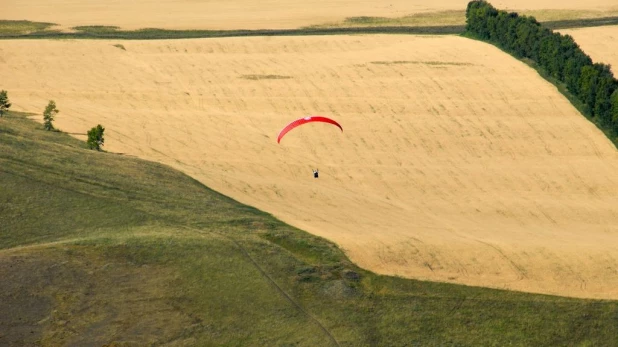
600 43
457 163
246 14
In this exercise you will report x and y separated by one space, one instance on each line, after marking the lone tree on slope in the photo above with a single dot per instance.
48 115
4 102
95 137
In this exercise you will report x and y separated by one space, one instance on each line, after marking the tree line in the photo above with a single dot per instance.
593 84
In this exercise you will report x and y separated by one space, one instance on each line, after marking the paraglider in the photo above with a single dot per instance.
305 120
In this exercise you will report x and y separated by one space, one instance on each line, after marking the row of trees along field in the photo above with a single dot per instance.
558 55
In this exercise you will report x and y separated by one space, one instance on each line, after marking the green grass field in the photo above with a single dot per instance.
23 27
99 248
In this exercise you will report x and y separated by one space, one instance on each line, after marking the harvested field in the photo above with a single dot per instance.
600 43
457 163
274 14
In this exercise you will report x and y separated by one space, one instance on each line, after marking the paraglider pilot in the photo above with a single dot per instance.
315 173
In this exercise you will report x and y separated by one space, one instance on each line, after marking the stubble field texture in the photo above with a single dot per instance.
599 43
278 14
457 162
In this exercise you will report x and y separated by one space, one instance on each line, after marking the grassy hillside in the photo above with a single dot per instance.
100 248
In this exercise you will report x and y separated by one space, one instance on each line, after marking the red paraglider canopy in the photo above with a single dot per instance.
302 121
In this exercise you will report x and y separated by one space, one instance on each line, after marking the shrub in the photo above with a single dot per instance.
49 114
95 137
4 102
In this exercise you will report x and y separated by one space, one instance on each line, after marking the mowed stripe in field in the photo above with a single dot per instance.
248 14
457 163
600 43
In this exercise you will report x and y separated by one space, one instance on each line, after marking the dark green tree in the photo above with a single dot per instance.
49 114
614 112
573 68
477 13
606 85
571 75
527 35
548 49
511 31
501 27
4 102
95 137
587 85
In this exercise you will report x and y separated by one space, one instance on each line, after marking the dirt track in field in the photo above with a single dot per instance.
457 163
